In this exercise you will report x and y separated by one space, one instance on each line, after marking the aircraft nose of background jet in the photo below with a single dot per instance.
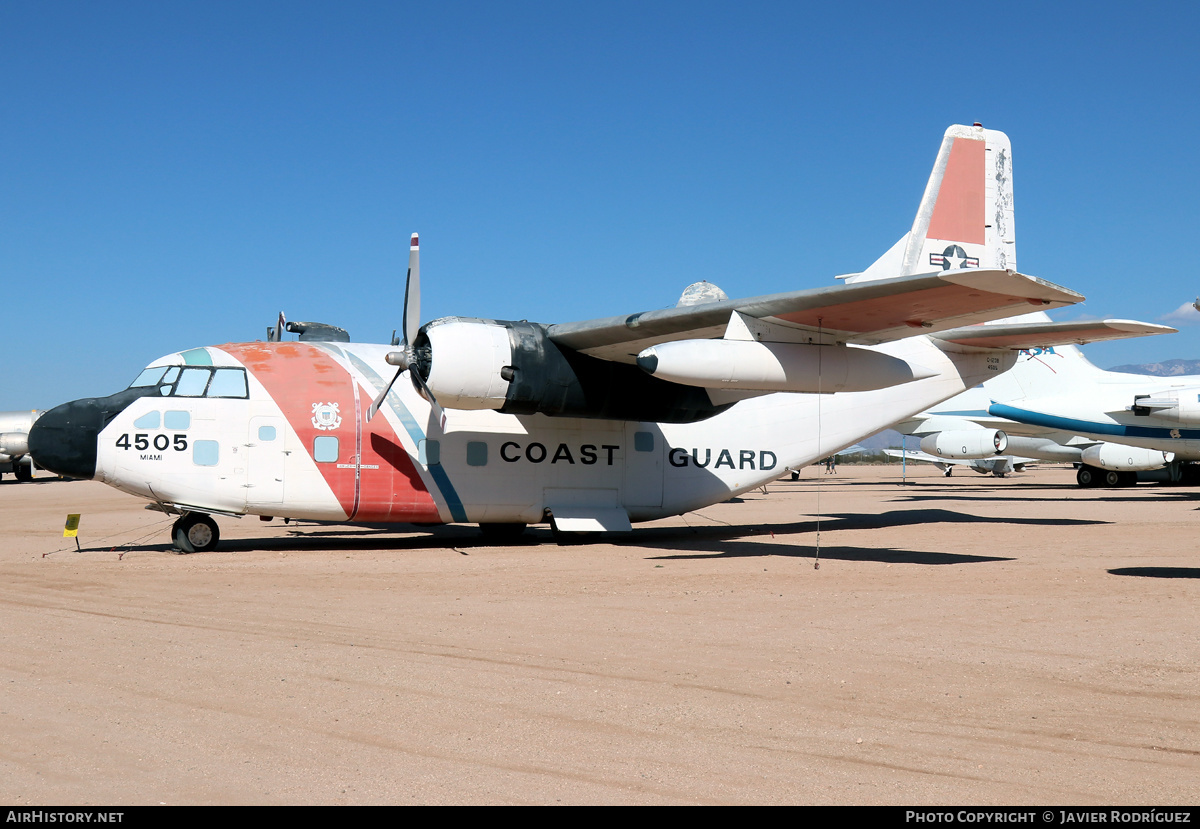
63 440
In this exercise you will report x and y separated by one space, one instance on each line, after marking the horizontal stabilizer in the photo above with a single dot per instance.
1045 334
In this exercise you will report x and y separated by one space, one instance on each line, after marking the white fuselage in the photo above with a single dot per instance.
296 444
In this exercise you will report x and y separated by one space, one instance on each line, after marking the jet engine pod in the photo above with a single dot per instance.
759 366
14 444
965 444
1176 406
1120 458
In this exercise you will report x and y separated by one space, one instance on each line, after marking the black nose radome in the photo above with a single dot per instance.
63 440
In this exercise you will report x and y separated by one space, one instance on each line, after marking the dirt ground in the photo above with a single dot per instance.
965 640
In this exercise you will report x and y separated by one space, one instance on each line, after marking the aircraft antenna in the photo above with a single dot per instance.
820 349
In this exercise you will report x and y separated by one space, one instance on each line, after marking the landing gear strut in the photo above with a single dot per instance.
195 533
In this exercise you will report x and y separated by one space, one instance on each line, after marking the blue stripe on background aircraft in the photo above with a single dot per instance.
585 425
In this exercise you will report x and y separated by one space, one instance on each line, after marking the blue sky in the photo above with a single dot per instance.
175 174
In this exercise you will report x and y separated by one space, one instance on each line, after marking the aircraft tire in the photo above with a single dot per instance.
22 472
502 533
795 476
1112 478
195 533
1086 476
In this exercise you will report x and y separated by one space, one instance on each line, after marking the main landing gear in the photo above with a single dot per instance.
1089 476
195 532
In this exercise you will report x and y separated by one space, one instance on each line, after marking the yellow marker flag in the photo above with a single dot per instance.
71 530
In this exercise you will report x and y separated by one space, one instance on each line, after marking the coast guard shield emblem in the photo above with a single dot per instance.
326 416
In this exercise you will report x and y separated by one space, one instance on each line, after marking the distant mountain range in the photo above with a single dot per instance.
1167 368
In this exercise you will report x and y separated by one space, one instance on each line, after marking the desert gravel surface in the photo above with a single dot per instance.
965 641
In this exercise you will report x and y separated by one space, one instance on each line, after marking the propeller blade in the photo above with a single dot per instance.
412 293
438 411
378 401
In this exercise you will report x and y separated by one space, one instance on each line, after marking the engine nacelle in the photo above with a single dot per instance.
1120 458
14 444
515 368
967 444
467 363
1175 405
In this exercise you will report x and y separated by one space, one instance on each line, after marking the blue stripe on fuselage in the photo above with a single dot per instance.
1070 424
396 404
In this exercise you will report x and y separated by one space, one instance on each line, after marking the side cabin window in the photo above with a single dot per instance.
325 449
195 381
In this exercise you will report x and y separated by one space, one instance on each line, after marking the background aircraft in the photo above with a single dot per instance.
1054 405
14 443
999 465
588 425
1137 423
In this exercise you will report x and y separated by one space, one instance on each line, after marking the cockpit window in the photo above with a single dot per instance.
195 381
148 377
192 382
228 382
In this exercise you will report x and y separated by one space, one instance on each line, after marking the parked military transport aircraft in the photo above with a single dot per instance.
14 443
587 425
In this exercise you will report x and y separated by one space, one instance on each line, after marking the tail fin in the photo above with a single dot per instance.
966 215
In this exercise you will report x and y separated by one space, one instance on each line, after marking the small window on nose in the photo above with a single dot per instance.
147 421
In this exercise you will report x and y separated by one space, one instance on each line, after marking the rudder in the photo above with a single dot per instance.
965 219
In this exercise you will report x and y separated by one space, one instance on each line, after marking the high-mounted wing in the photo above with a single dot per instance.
863 313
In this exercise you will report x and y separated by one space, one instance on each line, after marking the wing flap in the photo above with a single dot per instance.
1045 334
863 313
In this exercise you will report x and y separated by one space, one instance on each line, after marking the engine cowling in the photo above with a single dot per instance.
966 444
515 368
1119 458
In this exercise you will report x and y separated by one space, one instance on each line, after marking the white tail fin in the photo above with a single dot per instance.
966 215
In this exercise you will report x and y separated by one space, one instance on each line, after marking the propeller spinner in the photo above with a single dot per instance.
406 357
